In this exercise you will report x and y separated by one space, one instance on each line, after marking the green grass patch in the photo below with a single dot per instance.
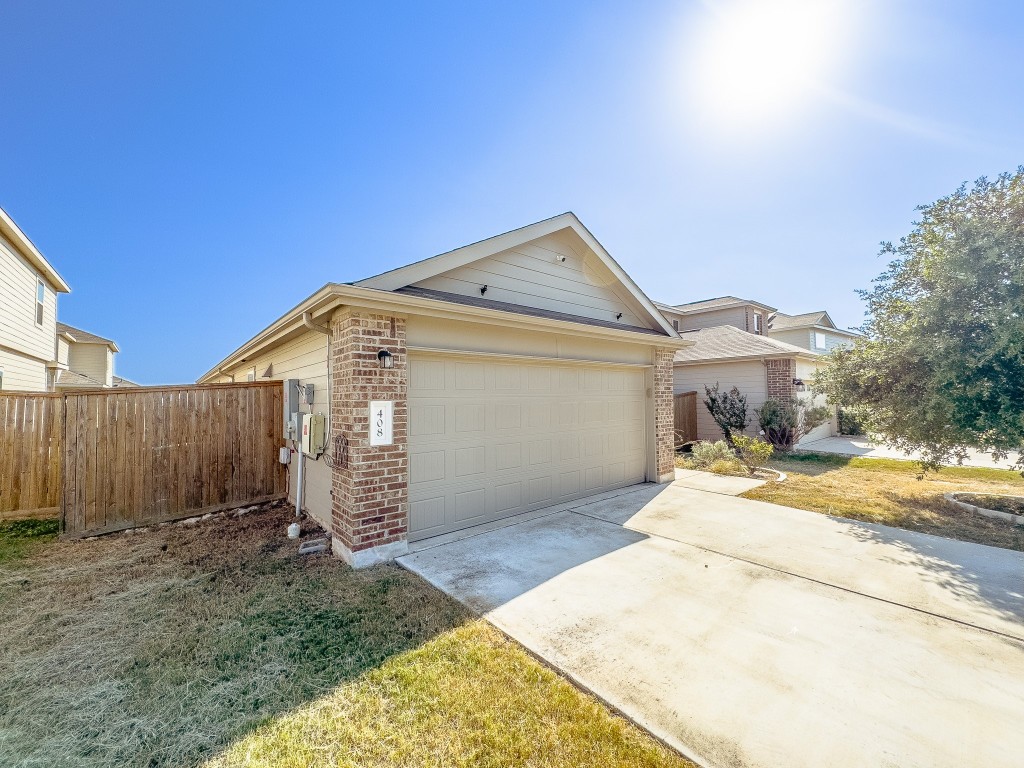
18 538
217 644
902 467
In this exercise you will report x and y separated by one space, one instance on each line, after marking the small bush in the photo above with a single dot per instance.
851 422
784 422
753 451
705 453
728 409
726 467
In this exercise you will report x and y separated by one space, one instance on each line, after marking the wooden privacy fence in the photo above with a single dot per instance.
685 417
31 432
121 458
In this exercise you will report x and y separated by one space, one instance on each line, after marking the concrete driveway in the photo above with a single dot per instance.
749 634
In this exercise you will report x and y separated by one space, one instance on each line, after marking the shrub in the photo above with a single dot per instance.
726 467
728 409
784 423
851 422
705 453
753 451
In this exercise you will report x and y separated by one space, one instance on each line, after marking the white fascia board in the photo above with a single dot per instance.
30 253
334 296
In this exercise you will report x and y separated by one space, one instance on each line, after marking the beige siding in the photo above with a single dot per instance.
534 275
798 337
805 370
303 358
747 376
21 373
804 338
18 330
456 335
63 351
735 316
92 360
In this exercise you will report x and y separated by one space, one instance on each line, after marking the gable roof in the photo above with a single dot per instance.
780 321
726 342
84 337
68 378
518 309
30 253
722 302
403 277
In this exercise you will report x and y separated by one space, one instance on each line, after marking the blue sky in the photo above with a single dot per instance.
196 169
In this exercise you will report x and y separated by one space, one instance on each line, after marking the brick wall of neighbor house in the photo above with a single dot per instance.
370 500
664 414
780 378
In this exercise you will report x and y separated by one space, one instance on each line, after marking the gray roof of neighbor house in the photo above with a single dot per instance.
719 303
84 337
66 378
780 321
726 342
121 381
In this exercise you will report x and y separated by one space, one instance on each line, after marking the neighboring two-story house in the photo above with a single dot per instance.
751 346
814 331
29 286
87 360
38 353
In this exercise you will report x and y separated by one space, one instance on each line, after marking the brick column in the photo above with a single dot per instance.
780 379
369 496
664 415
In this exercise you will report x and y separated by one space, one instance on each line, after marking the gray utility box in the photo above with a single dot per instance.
291 407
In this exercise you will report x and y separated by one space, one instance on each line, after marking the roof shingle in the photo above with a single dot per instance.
726 342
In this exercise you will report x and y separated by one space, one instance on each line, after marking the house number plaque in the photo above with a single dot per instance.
381 422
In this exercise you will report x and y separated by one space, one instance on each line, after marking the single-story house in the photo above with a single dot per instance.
758 366
502 377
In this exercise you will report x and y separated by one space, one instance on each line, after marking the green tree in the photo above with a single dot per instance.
941 368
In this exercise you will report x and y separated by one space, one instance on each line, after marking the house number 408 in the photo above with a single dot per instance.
381 422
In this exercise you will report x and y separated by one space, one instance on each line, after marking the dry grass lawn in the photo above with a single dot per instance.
889 492
217 645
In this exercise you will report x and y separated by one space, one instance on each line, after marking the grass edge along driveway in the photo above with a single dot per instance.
216 645
889 492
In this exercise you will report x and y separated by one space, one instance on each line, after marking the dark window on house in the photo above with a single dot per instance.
40 298
675 324
757 322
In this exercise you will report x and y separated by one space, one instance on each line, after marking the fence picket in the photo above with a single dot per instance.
107 460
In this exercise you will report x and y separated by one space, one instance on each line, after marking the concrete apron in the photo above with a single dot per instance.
747 634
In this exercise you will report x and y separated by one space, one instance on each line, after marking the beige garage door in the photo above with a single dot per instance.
492 439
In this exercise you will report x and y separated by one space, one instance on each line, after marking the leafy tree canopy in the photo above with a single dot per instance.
942 366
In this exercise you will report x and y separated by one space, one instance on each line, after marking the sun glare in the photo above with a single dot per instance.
756 59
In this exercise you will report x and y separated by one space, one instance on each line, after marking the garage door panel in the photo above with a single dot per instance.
426 515
499 439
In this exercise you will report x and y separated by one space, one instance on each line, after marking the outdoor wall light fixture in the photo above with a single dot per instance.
385 358
799 385
483 289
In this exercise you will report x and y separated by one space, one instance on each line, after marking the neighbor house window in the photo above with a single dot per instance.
251 375
40 298
1 378
819 340
757 322
675 324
